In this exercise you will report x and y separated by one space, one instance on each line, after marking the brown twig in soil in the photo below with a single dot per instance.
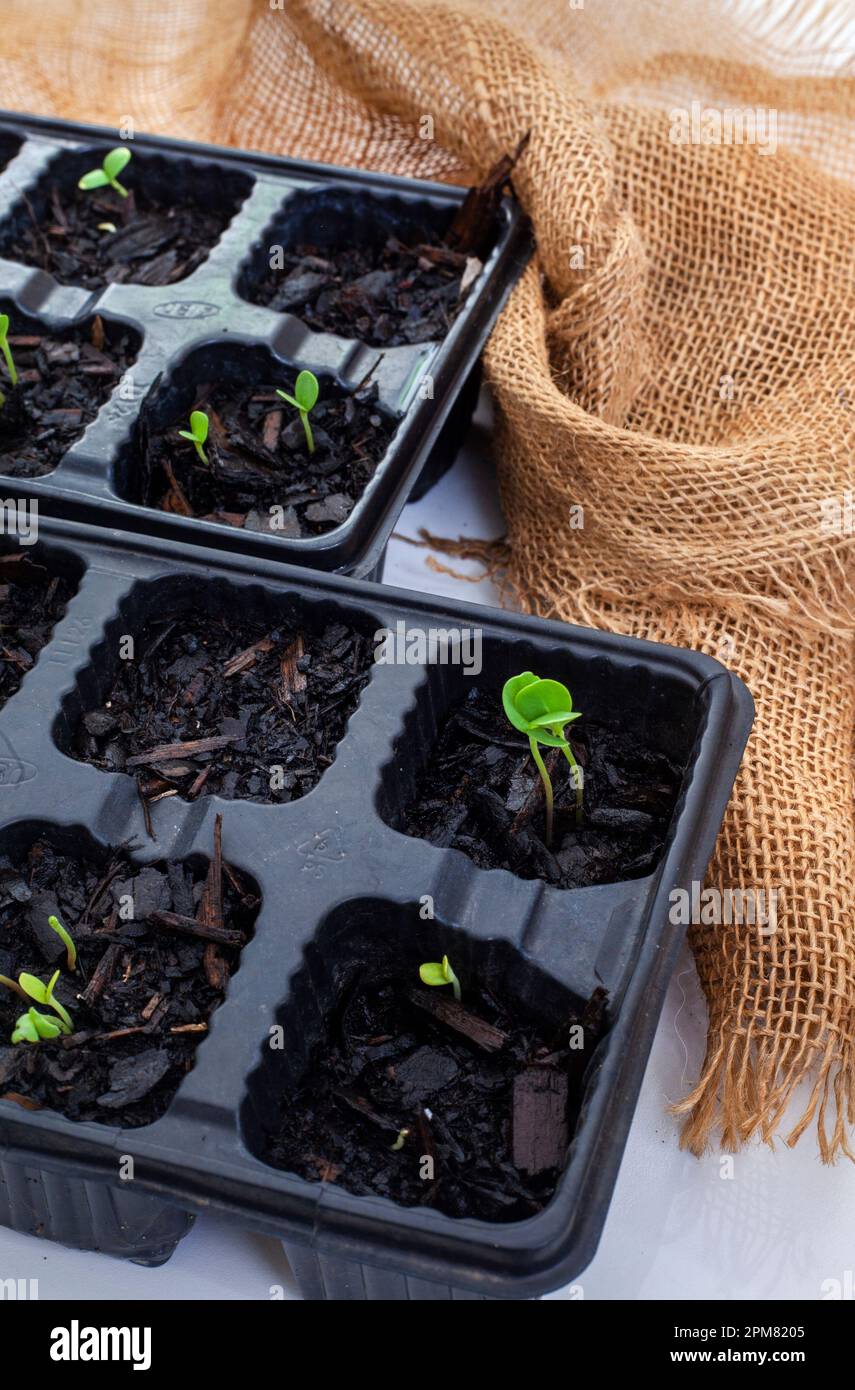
455 1016
369 374
167 752
293 679
199 783
175 494
211 911
175 921
246 658
14 987
146 810
102 975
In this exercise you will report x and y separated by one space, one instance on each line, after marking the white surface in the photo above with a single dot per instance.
780 1227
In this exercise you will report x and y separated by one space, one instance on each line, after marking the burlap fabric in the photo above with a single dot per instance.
679 365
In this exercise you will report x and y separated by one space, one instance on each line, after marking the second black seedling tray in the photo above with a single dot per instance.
337 880
200 325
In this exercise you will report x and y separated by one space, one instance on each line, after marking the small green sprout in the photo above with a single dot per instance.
435 972
399 1142
6 350
542 709
32 1026
70 948
43 994
197 433
114 163
306 390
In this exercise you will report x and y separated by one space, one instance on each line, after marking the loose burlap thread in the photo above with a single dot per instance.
677 369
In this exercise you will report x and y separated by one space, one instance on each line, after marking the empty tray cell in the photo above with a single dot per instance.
146 958
64 377
9 146
202 687
385 1085
175 213
478 789
255 470
35 587
363 266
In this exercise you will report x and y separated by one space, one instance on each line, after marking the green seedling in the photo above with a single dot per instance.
43 994
70 948
197 433
435 972
306 390
114 163
6 350
542 709
32 1026
399 1142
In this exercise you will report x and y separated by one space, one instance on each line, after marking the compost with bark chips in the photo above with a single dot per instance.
481 794
215 704
153 242
143 988
407 1073
258 459
386 295
32 601
63 380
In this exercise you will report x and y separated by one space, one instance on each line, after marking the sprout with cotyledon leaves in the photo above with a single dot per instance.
435 972
108 174
197 433
304 399
542 709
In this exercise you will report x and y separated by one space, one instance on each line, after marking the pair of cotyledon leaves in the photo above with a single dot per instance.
539 708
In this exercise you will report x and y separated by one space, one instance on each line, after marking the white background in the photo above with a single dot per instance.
780 1227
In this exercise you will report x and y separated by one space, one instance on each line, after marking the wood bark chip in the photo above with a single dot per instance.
165 752
150 1007
211 911
102 974
174 921
292 678
540 1133
272 426
246 658
24 1101
455 1016
473 227
199 783
361 1107
175 501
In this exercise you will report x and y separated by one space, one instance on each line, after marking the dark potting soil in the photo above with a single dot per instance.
155 242
258 459
63 380
384 295
143 990
222 705
481 794
32 601
489 1096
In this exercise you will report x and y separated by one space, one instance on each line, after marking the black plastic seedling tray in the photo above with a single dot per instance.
336 877
201 327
